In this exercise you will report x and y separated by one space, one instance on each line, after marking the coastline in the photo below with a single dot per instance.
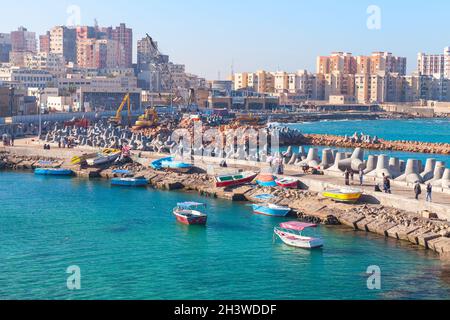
423 229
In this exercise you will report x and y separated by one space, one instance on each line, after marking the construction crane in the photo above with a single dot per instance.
117 119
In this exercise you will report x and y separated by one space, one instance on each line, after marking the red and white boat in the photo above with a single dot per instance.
189 213
235 180
288 183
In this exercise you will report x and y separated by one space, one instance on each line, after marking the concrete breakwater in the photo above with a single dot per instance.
378 144
420 229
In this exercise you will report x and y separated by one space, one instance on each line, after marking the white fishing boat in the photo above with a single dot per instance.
291 233
104 157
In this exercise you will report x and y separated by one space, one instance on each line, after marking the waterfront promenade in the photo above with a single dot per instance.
402 196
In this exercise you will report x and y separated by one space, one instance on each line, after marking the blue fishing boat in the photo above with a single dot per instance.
53 172
266 180
118 171
271 210
171 165
129 182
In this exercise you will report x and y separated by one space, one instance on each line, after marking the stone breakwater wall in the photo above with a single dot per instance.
405 146
420 229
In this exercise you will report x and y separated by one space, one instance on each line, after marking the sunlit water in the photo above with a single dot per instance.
129 246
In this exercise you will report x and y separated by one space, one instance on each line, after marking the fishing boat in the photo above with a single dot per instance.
343 195
266 180
272 210
53 172
170 164
129 182
288 183
264 197
291 233
104 157
235 180
189 213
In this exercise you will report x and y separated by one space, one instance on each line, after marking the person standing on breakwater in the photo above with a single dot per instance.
347 177
361 177
387 184
417 190
429 192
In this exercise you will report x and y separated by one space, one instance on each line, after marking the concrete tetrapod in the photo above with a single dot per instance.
382 167
335 168
355 162
371 164
412 172
327 159
428 173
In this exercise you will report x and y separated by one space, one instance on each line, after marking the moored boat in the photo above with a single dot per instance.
288 183
343 195
170 164
129 182
272 210
225 181
189 213
104 157
266 180
53 172
291 234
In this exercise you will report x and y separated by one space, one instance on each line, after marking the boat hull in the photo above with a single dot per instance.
129 182
271 212
200 220
287 184
53 172
266 183
343 197
237 182
299 241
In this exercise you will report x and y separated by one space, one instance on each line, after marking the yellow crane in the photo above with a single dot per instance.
117 119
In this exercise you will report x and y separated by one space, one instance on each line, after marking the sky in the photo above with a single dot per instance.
211 36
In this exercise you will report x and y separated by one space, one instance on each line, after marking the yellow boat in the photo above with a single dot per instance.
343 195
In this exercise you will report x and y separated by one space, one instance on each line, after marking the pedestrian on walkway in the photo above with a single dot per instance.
361 177
347 177
429 192
417 190
352 175
386 184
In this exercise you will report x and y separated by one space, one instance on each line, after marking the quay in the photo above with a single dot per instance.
396 215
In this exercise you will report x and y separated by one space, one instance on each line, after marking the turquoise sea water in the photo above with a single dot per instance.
423 130
129 246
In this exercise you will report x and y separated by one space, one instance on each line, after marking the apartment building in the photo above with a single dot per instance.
437 65
63 42
23 41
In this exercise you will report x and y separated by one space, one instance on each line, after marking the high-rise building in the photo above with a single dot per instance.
386 62
5 47
437 65
63 42
44 43
124 36
23 41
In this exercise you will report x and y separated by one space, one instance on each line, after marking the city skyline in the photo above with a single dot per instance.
291 40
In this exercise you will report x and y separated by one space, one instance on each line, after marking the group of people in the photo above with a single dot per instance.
418 191
66 143
387 187
350 174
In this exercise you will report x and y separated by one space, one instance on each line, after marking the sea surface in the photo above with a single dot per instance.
422 130
128 245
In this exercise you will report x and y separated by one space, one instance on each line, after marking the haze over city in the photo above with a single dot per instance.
208 36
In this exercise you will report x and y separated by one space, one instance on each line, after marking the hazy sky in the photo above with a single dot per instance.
207 35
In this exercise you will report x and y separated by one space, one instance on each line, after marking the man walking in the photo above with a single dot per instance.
429 192
417 190
347 177
361 177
